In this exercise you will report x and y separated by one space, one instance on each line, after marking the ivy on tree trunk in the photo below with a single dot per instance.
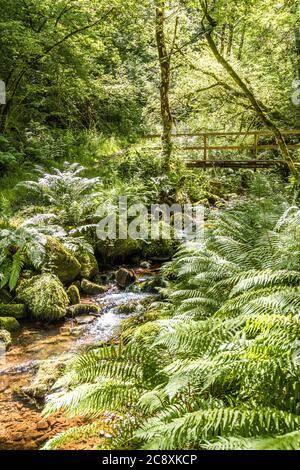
165 68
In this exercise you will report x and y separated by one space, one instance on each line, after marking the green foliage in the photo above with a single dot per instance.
18 246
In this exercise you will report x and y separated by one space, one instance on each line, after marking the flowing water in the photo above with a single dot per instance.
21 423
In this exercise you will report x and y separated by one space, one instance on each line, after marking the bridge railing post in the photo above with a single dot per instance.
205 138
255 144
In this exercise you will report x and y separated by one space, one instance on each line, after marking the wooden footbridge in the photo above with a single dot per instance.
255 143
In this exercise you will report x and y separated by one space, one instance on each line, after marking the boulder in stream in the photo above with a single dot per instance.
85 320
44 296
125 277
83 309
90 288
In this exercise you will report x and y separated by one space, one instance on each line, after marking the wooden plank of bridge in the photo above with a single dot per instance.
235 163
255 147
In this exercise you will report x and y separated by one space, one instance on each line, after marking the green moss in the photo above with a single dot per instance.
84 309
131 323
77 284
90 288
73 294
5 337
127 308
9 323
44 296
89 265
13 310
61 261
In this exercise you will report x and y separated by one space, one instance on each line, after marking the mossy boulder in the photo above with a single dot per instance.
17 311
90 288
5 296
9 323
89 265
125 309
83 309
5 337
44 296
61 261
73 294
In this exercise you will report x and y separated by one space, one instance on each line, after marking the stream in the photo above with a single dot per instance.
21 425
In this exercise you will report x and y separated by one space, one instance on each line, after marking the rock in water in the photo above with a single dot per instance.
90 288
9 323
85 320
49 371
61 261
83 309
125 277
145 264
73 294
17 311
44 296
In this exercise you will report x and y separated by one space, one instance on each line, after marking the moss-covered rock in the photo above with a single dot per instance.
90 288
127 308
73 294
44 296
131 323
61 261
9 323
5 337
13 310
89 265
83 309
5 296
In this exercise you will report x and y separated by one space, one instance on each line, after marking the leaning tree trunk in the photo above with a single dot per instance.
165 66
255 104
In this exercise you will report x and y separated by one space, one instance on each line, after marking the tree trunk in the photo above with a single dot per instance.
242 42
165 66
297 44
